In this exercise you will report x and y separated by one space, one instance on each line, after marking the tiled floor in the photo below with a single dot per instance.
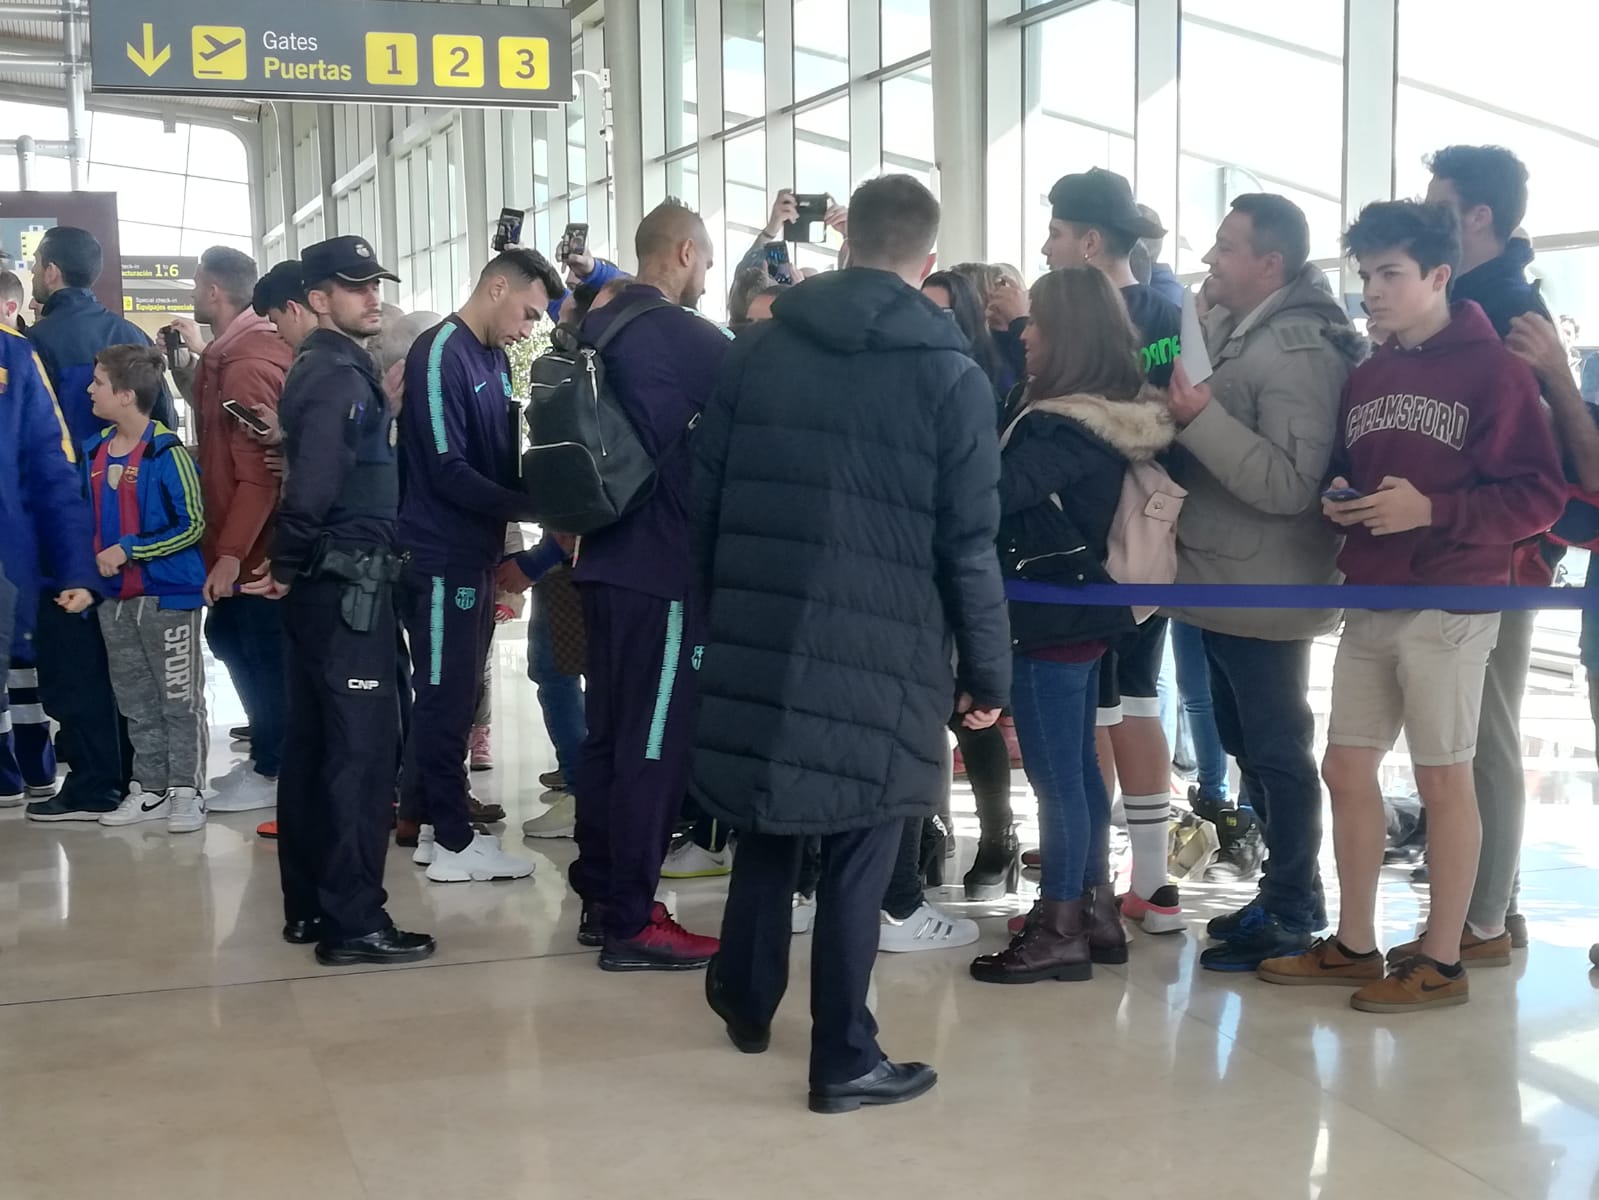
158 1042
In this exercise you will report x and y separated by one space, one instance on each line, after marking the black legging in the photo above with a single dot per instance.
987 761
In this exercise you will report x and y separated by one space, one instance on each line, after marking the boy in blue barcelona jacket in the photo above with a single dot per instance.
148 520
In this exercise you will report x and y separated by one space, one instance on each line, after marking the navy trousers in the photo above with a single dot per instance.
642 655
449 618
75 688
246 635
752 965
336 788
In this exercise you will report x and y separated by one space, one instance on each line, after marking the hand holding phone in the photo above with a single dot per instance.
1339 495
508 229
246 418
810 210
777 262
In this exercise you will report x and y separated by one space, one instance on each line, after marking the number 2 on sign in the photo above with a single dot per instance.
457 61
391 59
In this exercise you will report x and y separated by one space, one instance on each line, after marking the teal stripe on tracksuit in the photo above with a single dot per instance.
436 634
663 695
436 388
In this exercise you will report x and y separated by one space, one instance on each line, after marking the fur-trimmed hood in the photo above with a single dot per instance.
1139 429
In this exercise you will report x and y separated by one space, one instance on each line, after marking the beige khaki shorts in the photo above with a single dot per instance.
1419 671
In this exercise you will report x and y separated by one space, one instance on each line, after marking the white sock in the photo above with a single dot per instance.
1148 821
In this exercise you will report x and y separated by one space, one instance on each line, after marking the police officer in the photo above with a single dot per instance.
333 563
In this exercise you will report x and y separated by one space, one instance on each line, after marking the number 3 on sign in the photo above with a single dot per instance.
391 59
457 61
525 63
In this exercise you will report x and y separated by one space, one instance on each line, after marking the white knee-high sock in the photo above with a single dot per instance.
1148 819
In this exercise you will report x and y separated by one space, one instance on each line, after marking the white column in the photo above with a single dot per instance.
958 144
283 118
1156 120
474 178
597 158
712 168
1371 65
779 95
622 53
657 96
1008 222
388 232
865 95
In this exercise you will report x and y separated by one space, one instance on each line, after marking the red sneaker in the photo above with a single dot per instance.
662 945
268 830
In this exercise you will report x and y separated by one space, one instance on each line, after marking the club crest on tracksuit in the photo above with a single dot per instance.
465 598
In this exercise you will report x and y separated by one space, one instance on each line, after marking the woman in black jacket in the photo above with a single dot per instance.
1083 415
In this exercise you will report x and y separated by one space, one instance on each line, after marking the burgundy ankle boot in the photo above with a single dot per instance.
1054 945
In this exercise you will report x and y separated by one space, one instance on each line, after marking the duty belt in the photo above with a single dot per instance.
365 573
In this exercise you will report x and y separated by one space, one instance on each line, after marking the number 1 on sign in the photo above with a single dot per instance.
391 59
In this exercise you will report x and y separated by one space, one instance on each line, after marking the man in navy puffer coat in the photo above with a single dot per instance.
844 512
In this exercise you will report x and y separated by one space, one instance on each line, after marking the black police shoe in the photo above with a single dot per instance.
303 933
747 1036
591 925
886 1083
389 945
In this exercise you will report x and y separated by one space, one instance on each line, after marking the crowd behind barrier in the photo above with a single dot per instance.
782 564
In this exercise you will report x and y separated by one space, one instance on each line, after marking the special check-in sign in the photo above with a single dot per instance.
393 51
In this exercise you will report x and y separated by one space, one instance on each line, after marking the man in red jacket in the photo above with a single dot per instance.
1444 461
245 363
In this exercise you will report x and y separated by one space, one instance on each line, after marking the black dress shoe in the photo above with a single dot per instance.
303 933
748 1037
389 945
887 1083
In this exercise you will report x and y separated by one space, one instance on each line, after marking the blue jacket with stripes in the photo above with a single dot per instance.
458 452
72 328
165 548
44 523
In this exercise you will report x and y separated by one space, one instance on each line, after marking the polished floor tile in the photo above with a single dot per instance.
159 1042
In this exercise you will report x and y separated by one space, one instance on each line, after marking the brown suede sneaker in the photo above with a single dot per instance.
1474 951
1323 963
1411 986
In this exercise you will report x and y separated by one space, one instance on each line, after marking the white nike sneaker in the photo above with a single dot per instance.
137 806
242 789
689 860
802 916
928 928
479 862
557 821
187 814
423 854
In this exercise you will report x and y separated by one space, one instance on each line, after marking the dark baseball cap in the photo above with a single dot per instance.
1103 198
277 287
347 259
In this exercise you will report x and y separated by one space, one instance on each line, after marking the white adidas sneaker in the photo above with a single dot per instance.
481 861
138 806
928 928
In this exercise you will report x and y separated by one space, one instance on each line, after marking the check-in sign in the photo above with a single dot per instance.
394 51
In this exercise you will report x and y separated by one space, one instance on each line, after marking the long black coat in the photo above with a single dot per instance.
845 511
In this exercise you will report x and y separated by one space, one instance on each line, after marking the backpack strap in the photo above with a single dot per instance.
622 322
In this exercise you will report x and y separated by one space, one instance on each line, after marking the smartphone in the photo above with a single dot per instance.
508 229
1340 495
575 239
172 340
246 417
777 262
812 208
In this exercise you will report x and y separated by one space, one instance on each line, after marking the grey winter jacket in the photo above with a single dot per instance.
1255 460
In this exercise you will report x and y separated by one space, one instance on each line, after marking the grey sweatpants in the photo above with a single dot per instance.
1497 771
158 675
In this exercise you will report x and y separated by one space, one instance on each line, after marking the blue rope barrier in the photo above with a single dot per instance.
1456 598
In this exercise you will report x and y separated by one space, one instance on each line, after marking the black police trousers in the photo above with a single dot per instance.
336 787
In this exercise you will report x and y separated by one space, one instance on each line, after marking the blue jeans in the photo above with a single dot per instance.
560 696
1054 706
246 635
1263 715
1193 683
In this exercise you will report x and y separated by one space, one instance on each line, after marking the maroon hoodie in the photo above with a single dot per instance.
1459 417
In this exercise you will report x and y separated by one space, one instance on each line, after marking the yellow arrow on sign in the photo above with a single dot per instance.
148 60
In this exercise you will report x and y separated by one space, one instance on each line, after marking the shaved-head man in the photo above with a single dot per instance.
642 617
